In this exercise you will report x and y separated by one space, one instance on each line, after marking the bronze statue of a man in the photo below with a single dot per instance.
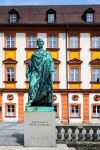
39 74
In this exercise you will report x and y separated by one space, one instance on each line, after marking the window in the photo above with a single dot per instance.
75 111
96 42
10 41
32 41
54 75
10 74
96 111
51 18
52 41
96 74
10 110
55 109
13 18
73 41
89 17
74 74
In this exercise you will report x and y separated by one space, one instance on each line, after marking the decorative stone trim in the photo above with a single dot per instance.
74 49
75 97
11 49
94 49
9 61
10 97
53 49
96 97
95 62
31 49
74 61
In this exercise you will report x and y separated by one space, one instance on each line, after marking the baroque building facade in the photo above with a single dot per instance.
72 35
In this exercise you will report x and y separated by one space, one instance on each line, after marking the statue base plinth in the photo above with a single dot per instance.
39 108
39 129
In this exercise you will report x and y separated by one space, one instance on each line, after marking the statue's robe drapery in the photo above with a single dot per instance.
39 74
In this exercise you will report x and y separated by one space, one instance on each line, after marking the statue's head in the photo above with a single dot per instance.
40 43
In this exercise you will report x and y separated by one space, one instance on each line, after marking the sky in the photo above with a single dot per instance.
47 2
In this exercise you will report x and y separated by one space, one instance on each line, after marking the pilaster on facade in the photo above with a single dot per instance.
20 107
64 108
86 108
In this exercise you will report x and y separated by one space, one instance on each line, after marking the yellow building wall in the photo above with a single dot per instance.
95 55
10 85
74 86
54 54
55 85
10 54
96 86
73 55
29 54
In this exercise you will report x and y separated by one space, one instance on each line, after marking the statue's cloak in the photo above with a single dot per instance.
39 73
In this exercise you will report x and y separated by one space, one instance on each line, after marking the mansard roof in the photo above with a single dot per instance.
65 14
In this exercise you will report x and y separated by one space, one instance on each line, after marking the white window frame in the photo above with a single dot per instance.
74 41
13 18
32 41
74 74
76 111
10 41
96 114
52 41
96 42
10 110
95 74
51 18
10 74
89 17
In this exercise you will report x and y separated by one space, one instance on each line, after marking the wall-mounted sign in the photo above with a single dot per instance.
75 97
10 97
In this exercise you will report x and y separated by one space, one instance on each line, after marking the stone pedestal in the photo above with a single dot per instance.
39 129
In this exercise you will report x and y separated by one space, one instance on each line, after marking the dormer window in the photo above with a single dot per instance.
89 17
13 18
51 16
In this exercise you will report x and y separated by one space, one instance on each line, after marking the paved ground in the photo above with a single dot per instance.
11 134
12 138
59 147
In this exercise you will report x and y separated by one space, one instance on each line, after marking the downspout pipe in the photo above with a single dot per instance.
67 72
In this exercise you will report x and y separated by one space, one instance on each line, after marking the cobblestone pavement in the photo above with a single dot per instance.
11 134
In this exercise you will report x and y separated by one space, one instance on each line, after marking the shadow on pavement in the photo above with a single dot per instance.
19 138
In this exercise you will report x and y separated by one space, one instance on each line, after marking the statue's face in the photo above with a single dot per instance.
40 44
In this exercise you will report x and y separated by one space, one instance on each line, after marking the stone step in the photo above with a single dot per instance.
58 147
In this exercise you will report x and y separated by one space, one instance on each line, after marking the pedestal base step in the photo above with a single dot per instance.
58 147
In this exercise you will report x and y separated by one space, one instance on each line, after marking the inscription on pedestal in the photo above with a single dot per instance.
39 129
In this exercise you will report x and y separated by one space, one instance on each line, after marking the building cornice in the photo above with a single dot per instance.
62 91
